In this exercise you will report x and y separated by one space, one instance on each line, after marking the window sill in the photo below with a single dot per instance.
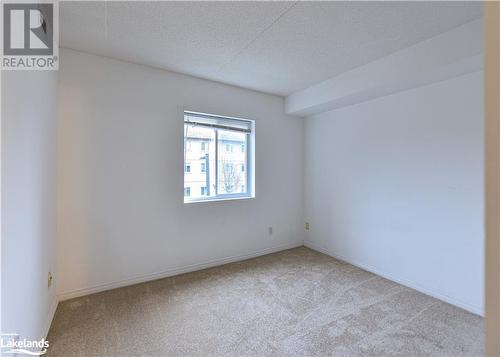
202 200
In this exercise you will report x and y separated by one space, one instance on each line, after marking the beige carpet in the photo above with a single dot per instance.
291 303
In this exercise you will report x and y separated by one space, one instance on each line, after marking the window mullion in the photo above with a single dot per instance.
216 162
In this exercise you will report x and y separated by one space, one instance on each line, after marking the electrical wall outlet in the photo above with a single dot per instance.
307 226
270 231
49 280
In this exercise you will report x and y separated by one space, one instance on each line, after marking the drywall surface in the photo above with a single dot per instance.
28 201
121 213
395 185
447 55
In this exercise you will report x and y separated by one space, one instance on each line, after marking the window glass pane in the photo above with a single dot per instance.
200 154
231 179
216 154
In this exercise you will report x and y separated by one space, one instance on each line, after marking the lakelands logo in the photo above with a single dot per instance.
10 344
29 36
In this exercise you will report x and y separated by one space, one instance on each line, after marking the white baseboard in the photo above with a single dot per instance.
50 317
171 272
436 294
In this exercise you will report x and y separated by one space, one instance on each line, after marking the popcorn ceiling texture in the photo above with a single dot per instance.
275 47
295 302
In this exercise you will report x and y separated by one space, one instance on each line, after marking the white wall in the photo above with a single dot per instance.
121 212
28 201
395 185
447 55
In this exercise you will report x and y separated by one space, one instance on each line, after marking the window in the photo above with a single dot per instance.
225 173
187 191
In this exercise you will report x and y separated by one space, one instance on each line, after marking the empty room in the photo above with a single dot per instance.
239 178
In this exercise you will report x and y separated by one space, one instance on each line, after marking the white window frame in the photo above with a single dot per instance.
250 159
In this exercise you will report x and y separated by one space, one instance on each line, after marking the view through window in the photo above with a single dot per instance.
216 157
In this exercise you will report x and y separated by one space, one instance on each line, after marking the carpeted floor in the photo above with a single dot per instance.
291 303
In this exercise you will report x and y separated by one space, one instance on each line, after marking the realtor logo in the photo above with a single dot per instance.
28 36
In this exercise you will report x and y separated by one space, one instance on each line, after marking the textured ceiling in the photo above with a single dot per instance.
274 47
